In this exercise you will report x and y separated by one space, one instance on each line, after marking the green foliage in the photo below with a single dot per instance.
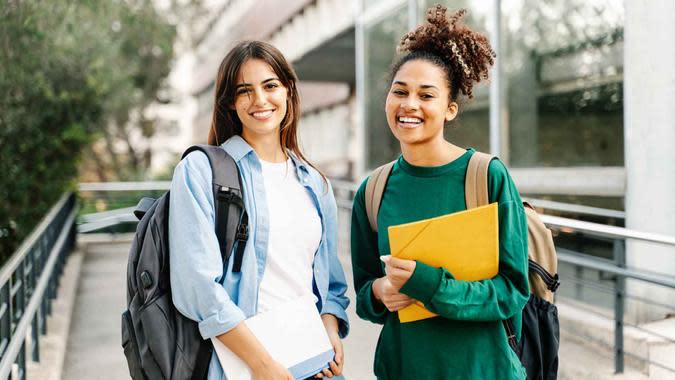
68 70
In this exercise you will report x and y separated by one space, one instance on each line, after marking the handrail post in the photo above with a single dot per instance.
619 253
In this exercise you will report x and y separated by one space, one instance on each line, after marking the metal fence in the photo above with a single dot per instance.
28 284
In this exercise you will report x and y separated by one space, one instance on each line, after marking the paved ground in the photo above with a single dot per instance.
94 346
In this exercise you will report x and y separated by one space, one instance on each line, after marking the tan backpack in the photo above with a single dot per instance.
543 262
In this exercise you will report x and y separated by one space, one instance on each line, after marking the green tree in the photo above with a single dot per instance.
71 73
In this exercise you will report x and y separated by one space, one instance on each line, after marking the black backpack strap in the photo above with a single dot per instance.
201 370
511 336
552 281
228 197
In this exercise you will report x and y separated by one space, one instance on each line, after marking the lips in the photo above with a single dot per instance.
262 115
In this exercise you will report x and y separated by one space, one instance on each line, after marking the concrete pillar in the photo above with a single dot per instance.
649 133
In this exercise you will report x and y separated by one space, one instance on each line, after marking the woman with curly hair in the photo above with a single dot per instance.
467 340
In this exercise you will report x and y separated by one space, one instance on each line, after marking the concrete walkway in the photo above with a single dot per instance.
94 346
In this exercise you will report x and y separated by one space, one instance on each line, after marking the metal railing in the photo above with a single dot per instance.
616 268
28 284
118 200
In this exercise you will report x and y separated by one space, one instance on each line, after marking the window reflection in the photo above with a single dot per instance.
563 82
563 62
381 39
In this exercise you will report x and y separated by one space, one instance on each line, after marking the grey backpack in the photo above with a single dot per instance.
158 341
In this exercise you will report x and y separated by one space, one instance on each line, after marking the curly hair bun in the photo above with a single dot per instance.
467 53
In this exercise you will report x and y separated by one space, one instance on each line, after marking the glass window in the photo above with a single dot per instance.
370 3
381 39
564 82
472 126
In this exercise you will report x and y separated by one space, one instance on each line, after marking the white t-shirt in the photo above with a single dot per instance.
294 237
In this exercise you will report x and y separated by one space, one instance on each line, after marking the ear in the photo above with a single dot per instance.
451 111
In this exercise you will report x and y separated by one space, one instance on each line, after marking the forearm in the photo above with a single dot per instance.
368 307
241 341
331 323
494 299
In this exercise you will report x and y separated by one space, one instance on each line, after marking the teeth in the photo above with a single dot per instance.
262 114
409 120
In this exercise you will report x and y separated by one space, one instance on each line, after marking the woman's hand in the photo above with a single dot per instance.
389 295
398 270
330 322
271 370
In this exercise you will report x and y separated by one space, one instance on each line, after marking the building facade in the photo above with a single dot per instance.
559 109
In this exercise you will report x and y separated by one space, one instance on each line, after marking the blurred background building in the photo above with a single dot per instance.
555 110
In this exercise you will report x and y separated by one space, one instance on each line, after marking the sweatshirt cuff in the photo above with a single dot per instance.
369 304
423 283
223 321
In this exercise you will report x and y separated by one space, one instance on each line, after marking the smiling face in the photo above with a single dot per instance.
418 103
260 98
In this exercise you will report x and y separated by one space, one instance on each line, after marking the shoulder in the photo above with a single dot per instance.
320 183
194 167
361 190
195 160
500 184
497 170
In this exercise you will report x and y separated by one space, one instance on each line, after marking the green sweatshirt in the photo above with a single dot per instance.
467 340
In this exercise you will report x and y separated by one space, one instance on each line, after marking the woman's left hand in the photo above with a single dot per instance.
330 322
398 270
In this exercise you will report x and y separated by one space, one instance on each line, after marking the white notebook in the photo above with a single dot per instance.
293 334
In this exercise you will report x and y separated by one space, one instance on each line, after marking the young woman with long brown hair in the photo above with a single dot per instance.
292 246
441 59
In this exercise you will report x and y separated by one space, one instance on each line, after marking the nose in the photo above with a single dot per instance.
410 104
259 97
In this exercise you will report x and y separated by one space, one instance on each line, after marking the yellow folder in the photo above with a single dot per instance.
466 243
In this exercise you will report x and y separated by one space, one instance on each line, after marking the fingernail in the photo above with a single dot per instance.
384 258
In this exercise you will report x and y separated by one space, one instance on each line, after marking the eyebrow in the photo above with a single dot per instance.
263 82
425 86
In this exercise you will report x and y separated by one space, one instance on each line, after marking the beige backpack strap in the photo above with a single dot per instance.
476 182
374 190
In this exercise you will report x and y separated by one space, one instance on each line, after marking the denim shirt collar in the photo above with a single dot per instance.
238 148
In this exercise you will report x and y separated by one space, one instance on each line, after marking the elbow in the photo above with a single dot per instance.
519 297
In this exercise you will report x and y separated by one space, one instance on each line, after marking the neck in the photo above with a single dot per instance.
435 152
267 146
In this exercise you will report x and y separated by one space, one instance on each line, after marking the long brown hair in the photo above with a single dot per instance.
225 123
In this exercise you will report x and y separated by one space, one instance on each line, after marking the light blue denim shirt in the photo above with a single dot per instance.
207 292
